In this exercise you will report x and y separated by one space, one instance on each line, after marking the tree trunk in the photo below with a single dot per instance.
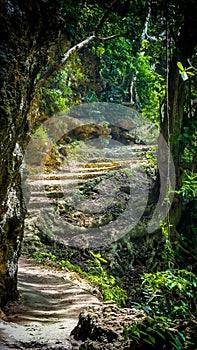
175 117
28 30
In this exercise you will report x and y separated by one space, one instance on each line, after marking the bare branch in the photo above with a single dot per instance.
60 63
108 37
188 60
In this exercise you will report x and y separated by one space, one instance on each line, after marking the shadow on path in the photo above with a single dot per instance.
51 303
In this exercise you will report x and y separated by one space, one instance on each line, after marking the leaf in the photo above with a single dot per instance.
180 66
176 308
98 256
182 336
189 68
184 75
190 73
173 285
148 341
158 333
179 285
152 339
178 344
103 260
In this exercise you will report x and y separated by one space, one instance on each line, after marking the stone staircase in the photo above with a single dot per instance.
66 185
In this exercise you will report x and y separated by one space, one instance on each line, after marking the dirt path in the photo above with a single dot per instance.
51 303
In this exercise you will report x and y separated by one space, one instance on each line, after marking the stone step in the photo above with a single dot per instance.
35 212
39 205
50 194
65 178
37 185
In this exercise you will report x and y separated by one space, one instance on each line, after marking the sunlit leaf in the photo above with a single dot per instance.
190 73
189 68
180 66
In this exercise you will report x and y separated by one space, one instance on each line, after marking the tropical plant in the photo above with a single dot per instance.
157 333
171 293
96 274
189 185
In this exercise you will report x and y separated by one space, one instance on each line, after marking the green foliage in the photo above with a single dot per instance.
98 258
169 298
96 274
150 86
170 293
41 133
189 185
157 333
59 92
107 284
184 72
81 17
43 256
168 254
151 159
121 68
188 139
127 70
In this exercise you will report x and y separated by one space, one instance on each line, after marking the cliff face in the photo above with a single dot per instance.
28 37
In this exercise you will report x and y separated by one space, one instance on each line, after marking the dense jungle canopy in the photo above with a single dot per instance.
56 54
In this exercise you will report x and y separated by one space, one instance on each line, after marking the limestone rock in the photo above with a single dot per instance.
103 327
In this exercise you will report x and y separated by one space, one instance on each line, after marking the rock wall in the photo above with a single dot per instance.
28 29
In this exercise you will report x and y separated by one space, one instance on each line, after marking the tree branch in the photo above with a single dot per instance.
59 64
93 37
108 37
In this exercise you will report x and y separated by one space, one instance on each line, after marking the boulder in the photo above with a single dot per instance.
103 327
